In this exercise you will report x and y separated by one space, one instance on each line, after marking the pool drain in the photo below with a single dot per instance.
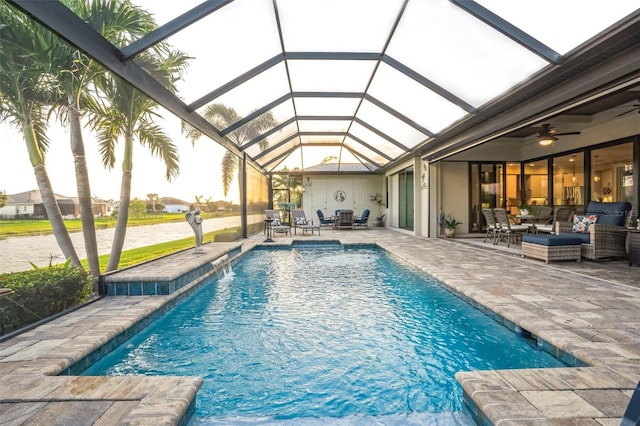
571 322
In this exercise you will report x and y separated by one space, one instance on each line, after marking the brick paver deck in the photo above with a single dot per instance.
589 313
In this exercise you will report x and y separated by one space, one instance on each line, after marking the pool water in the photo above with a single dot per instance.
324 335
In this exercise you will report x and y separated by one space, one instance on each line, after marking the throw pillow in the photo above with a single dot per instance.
300 221
581 224
275 222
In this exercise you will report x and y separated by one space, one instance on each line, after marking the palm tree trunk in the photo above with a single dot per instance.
84 193
121 224
123 208
60 231
55 217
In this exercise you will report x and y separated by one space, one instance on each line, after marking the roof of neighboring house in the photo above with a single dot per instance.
33 197
171 200
333 167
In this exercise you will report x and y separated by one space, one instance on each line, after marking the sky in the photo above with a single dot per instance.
199 167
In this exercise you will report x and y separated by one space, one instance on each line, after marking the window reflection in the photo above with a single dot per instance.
568 180
513 187
612 173
536 183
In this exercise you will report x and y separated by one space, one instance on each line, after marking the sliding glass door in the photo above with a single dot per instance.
405 199
487 181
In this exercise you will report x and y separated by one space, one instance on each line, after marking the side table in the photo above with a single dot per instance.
634 247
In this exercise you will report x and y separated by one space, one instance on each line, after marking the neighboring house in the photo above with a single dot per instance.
110 207
174 205
28 205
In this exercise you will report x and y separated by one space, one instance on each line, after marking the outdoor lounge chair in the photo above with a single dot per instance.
602 229
362 220
276 225
506 229
323 220
299 220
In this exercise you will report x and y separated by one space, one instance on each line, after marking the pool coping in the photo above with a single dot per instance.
529 396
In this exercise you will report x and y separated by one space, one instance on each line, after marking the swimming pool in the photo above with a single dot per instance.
317 334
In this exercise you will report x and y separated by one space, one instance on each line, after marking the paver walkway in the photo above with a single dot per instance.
588 320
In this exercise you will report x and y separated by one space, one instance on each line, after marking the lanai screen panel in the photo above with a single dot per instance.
562 25
257 92
389 74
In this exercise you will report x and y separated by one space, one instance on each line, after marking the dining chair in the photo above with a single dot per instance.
506 228
492 227
562 214
322 219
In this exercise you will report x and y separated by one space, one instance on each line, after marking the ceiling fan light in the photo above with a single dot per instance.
546 140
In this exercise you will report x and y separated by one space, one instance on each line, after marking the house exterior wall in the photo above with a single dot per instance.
11 211
176 208
330 193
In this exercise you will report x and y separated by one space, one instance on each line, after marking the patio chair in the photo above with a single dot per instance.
492 227
506 229
563 214
345 219
298 218
362 220
323 220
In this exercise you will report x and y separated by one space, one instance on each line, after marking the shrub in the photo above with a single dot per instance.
228 236
41 293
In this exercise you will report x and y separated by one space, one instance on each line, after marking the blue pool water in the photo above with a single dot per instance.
324 335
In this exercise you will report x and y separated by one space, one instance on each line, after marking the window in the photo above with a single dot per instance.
612 173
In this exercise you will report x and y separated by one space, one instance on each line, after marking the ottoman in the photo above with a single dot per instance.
551 247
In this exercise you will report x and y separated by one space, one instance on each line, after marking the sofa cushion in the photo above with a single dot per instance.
581 224
585 238
566 239
610 213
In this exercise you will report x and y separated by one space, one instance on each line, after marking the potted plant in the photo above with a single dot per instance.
523 208
450 225
377 199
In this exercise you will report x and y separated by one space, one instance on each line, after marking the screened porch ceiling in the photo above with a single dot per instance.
359 85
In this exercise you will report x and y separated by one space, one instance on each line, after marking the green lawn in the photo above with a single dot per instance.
21 228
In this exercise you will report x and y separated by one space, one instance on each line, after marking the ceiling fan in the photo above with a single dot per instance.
547 135
634 107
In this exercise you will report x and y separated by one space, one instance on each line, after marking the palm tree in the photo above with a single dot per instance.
222 117
26 84
125 112
119 22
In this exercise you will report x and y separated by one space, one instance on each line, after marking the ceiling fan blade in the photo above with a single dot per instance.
567 133
627 112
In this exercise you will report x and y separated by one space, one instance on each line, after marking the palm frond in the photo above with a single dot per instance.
190 132
160 145
229 163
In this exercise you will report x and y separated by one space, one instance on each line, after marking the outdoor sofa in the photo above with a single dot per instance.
602 229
